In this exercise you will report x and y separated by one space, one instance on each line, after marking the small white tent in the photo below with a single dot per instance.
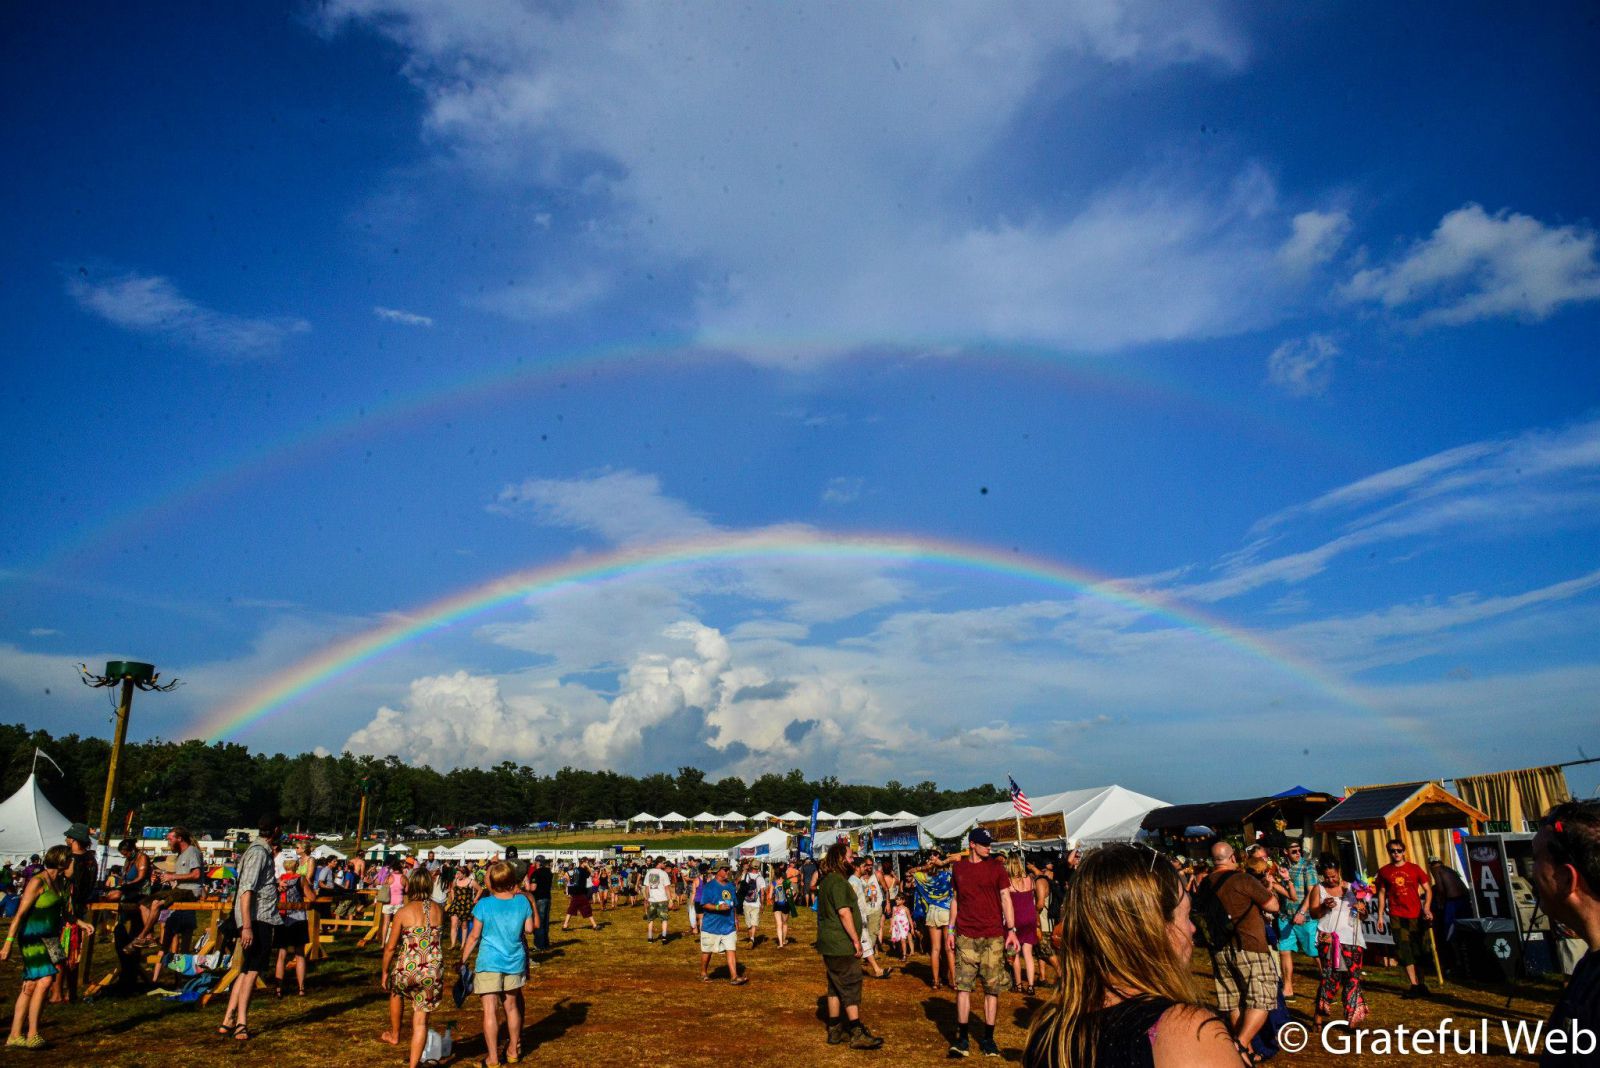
327 852
771 844
762 816
706 817
847 816
675 817
879 814
734 816
378 851
792 816
29 823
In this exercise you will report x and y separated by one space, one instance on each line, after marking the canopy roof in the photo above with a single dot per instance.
673 817
325 851
1421 806
904 815
738 816
378 849
473 849
29 823
823 814
1227 813
706 817
763 815
643 817
848 815
793 815
878 814
774 838
1100 814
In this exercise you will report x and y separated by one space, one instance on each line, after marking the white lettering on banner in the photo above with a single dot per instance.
1489 888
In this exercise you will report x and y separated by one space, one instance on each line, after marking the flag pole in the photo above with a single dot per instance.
1016 813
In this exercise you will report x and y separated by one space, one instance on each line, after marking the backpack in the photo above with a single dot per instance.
1215 926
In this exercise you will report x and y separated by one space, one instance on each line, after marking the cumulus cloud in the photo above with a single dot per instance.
404 318
1480 266
1303 367
151 304
623 507
827 202
1315 238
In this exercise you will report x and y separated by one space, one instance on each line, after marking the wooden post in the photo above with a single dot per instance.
124 706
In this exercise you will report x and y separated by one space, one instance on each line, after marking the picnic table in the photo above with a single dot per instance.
320 928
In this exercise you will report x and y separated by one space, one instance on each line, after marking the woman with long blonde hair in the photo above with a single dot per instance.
1127 994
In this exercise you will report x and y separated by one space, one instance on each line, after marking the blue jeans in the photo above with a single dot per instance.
541 934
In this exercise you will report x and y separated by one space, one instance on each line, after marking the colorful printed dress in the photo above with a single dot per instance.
418 969
462 898
41 929
900 924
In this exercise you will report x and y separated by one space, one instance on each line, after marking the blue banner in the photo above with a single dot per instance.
816 806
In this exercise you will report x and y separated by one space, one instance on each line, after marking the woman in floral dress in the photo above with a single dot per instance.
413 962
464 891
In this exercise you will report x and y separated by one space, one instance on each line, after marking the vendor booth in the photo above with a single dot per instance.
770 845
1099 814
1274 820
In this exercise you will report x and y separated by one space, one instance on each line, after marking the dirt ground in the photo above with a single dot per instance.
608 998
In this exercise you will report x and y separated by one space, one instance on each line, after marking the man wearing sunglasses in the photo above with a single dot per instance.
1566 877
1406 898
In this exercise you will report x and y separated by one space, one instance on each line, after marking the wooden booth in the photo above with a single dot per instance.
1275 820
1420 814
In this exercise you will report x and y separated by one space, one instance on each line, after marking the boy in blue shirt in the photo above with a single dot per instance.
715 903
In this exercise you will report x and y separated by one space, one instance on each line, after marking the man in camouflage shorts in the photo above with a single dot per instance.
980 915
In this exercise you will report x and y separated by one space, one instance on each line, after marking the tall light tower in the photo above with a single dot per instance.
133 676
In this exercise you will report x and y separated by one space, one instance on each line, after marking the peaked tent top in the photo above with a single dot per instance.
792 815
706 817
763 815
643 817
846 815
739 816
29 823
673 817
879 814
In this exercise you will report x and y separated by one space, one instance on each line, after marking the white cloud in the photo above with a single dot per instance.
623 507
1315 238
151 304
825 204
1508 486
1479 266
1303 366
842 490
43 632
405 318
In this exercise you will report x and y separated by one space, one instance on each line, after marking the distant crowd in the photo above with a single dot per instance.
1111 932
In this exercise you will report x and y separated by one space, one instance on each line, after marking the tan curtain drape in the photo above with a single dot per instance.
1516 797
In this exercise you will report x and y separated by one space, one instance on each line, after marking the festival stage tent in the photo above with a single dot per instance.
1100 814
473 849
29 823
774 839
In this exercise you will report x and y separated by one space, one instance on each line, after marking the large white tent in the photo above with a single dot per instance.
472 849
1099 814
29 823
771 844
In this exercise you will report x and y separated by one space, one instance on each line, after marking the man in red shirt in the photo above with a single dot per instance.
980 915
1405 896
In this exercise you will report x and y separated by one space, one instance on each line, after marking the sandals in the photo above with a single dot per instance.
225 1029
740 981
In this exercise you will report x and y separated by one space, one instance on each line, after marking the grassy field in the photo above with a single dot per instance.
608 998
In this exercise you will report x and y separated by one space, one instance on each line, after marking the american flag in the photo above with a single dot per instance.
1019 800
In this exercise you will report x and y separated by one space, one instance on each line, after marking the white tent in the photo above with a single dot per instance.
903 815
29 823
791 816
706 817
644 817
675 817
763 815
847 817
824 816
327 852
733 817
770 844
878 814
1100 814
825 839
378 850
472 849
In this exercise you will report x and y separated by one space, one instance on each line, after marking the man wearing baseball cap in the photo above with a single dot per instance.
980 915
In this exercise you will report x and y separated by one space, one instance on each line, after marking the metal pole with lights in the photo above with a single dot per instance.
131 675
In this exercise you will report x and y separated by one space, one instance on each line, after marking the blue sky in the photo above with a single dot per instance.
1281 315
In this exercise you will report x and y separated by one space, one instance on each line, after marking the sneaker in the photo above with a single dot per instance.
958 1048
837 1033
861 1038
987 1047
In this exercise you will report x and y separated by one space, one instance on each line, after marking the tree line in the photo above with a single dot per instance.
213 787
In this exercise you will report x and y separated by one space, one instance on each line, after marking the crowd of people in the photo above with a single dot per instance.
1113 930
